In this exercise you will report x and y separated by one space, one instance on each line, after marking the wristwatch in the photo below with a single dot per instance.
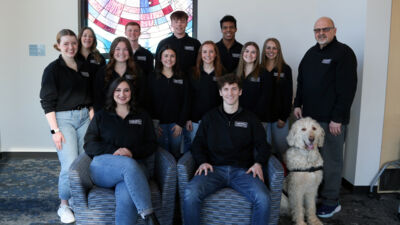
55 131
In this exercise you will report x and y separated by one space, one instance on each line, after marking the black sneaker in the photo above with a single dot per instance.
151 220
326 211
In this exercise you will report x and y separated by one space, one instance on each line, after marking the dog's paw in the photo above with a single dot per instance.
300 223
315 221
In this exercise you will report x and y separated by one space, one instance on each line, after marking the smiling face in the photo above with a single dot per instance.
87 39
68 46
271 50
228 30
250 54
122 94
179 26
132 32
168 58
230 93
208 54
121 52
324 31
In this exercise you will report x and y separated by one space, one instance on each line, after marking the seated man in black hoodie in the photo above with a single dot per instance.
230 149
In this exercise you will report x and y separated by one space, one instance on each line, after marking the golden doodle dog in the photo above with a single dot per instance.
304 164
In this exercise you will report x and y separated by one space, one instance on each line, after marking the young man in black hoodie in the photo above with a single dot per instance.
186 47
326 86
230 149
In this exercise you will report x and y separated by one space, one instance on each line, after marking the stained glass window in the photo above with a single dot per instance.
108 19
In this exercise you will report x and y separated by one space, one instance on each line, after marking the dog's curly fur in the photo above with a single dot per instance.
305 136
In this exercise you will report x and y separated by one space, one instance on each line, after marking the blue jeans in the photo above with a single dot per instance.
226 176
188 136
168 142
73 125
132 191
276 137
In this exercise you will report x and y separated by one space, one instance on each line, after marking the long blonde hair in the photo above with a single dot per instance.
279 61
240 68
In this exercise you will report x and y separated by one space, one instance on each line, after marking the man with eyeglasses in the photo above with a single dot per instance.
326 85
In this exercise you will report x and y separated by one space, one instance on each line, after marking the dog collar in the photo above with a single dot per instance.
311 169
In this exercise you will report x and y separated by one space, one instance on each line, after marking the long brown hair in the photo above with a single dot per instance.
279 61
240 68
93 49
130 64
217 61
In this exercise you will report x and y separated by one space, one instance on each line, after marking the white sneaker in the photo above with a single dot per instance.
65 214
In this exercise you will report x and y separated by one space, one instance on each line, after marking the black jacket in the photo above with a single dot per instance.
255 95
108 132
204 95
168 99
239 142
229 57
281 93
96 65
63 88
187 49
327 82
145 60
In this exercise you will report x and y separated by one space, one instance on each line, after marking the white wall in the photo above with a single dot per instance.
371 113
361 24
23 126
290 21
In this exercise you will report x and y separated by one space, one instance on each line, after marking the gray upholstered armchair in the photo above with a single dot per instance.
227 206
95 205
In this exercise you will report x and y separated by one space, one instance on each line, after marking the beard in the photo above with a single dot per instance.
322 39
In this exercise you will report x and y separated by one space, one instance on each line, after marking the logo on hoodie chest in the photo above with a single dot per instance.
241 124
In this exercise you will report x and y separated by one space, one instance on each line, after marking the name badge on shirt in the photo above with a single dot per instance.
253 79
93 61
177 81
189 48
214 78
141 58
241 124
326 61
129 76
136 122
282 75
84 73
236 55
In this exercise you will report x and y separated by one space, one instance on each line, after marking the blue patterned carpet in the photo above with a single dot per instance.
28 195
28 191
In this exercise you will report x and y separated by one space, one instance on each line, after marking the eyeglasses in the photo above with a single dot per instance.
324 30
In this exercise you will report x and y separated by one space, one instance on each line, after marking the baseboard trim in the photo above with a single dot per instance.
35 150
357 189
28 155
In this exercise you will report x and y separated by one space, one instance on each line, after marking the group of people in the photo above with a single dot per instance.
225 102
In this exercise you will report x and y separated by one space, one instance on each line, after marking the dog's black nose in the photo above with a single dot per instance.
311 139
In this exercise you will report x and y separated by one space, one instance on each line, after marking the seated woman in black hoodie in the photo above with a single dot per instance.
117 139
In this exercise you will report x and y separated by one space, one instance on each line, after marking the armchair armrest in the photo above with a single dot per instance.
80 181
165 176
186 169
275 184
